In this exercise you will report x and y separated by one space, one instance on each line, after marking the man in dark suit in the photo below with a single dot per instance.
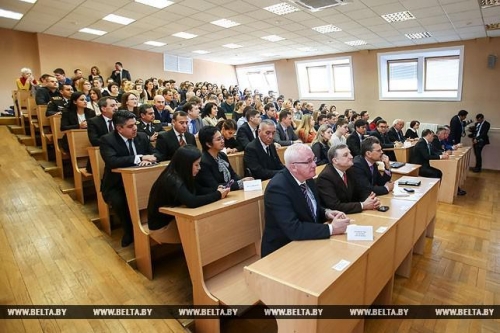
122 148
147 124
270 112
365 168
161 113
423 153
169 141
292 208
261 158
395 133
480 139
119 73
338 187
457 126
103 123
228 104
381 134
440 142
248 131
46 93
354 140
285 135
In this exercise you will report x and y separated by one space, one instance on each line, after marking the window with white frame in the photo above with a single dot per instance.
427 74
325 79
262 78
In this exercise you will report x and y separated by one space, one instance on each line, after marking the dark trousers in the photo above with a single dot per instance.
478 149
118 200
430 172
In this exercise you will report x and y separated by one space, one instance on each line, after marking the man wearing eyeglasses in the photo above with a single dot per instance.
292 207
261 159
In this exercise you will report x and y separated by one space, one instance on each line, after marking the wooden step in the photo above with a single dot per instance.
4 120
36 152
25 139
49 167
15 129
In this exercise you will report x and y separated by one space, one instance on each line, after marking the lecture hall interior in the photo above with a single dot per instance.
419 60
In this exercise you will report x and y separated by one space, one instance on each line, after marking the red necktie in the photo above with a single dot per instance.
181 141
344 178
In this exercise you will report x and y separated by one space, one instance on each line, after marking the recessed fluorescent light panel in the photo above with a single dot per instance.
232 46
93 31
489 3
184 35
418 35
282 9
356 42
201 52
11 15
160 4
153 43
118 19
29 1
324 29
273 38
306 49
398 17
225 23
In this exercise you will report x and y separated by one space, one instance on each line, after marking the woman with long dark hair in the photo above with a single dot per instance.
209 114
75 116
215 168
176 187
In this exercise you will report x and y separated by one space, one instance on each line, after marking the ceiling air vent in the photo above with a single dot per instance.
317 5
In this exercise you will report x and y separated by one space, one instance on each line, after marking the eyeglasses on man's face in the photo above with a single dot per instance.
310 161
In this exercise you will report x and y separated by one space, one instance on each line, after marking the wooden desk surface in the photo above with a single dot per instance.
233 199
137 169
406 169
397 208
426 184
367 220
300 262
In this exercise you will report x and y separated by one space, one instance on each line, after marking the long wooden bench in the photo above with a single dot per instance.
220 239
46 136
32 147
78 142
97 165
138 182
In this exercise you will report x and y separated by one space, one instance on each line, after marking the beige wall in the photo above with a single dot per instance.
43 53
480 91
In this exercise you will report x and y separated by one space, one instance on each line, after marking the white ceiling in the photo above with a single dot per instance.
445 20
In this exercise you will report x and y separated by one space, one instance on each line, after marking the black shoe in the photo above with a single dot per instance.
127 240
476 170
461 192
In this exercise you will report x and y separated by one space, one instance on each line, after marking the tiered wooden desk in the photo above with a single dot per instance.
301 273
406 170
402 153
138 182
454 173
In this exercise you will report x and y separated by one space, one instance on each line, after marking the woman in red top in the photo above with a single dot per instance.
305 131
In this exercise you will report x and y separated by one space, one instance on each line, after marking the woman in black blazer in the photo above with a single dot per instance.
321 144
215 168
75 116
411 133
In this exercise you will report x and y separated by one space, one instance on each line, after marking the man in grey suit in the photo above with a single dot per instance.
285 134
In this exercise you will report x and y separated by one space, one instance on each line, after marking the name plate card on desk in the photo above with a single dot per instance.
359 232
252 185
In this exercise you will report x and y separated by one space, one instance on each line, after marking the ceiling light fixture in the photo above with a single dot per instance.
11 15
489 3
118 19
160 4
93 31
398 17
184 35
153 43
273 38
225 23
232 46
493 26
356 42
282 9
324 29
29 1
201 52
418 35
